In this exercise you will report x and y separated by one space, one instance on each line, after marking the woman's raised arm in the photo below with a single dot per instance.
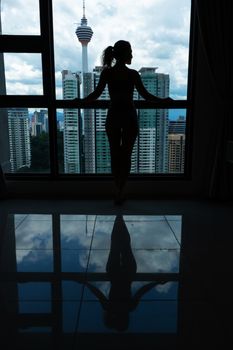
143 91
99 89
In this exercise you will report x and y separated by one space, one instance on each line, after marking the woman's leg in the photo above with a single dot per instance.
121 137
129 135
114 139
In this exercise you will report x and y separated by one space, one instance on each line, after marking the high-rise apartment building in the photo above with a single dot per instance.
153 125
177 126
19 138
103 160
89 127
36 125
176 145
72 133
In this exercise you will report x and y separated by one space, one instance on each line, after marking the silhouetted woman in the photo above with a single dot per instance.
122 122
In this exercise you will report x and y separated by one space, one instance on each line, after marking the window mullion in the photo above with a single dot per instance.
46 21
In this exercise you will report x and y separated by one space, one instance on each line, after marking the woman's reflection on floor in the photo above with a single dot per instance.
121 268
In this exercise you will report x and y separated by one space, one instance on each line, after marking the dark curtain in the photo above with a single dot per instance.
215 21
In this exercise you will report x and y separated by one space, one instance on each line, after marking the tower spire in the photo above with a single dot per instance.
84 34
84 9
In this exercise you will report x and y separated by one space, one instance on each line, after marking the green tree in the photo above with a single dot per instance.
40 153
40 157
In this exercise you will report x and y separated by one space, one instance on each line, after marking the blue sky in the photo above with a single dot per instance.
157 29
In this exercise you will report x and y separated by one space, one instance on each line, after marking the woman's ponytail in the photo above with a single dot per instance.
108 57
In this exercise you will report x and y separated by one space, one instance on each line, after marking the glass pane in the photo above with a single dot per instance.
83 145
158 32
25 140
22 73
34 243
20 17
34 291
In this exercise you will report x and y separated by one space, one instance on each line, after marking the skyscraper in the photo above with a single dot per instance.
72 124
177 126
176 146
20 148
153 124
84 34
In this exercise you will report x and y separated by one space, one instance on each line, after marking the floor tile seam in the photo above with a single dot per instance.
83 286
75 249
143 299
174 231
155 220
145 221
80 301
156 249
26 221
30 219
165 221
136 249
36 249
20 223
53 249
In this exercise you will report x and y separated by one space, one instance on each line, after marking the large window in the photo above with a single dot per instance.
42 63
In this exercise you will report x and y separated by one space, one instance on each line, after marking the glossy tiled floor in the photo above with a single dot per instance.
86 274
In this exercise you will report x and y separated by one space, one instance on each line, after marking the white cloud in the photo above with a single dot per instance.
20 17
23 74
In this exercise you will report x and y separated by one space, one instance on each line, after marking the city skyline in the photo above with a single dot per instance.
166 46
